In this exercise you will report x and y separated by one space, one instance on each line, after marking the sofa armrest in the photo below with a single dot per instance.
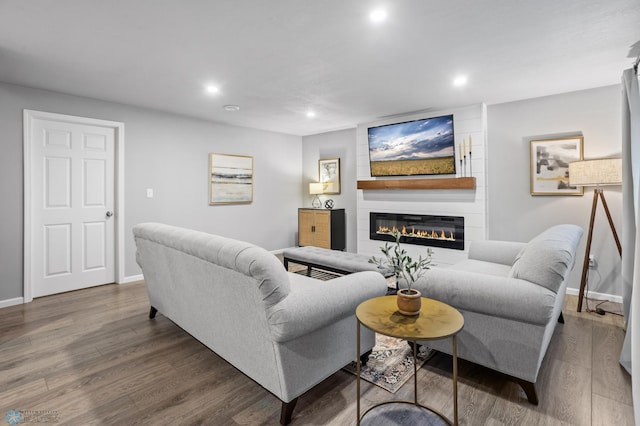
503 252
503 297
313 304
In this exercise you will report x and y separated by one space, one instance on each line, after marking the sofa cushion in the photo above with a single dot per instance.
480 267
547 257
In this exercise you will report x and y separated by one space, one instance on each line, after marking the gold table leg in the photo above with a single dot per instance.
358 376
455 381
415 372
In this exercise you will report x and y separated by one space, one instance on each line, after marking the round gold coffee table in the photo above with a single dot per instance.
436 320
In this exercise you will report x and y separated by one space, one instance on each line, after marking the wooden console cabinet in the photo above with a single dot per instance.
321 228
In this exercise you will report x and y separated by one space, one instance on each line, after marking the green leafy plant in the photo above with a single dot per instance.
404 267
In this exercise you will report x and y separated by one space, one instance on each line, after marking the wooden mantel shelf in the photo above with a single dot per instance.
439 183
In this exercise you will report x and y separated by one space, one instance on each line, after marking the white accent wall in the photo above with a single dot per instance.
468 203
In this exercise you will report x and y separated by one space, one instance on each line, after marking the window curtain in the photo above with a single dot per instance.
631 226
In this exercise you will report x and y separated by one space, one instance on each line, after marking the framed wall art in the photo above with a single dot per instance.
550 165
329 173
230 179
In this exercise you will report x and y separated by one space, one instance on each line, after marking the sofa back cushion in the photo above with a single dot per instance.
245 258
548 258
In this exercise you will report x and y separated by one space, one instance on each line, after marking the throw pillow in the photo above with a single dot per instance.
547 258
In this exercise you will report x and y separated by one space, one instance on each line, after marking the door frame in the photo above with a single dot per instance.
118 127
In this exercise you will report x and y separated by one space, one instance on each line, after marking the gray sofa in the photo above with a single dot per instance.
511 296
285 331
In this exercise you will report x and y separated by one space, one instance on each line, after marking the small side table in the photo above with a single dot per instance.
436 320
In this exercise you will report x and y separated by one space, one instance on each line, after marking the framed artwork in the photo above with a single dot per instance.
550 165
329 172
230 179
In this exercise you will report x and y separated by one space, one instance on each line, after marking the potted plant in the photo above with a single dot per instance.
406 270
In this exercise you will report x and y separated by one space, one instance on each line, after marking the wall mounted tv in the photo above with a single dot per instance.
418 147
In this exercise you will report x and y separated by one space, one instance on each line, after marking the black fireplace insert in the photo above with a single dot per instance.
425 230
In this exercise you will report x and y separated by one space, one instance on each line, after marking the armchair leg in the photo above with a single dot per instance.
561 319
365 357
152 312
411 344
530 390
287 411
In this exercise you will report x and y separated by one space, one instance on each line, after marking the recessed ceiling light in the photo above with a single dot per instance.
460 80
231 108
311 114
212 89
378 15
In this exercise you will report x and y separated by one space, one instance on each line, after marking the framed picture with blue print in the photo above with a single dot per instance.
230 179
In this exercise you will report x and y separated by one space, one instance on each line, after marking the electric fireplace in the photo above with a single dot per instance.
425 230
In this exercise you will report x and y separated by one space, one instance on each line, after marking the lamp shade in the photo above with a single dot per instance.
603 171
315 188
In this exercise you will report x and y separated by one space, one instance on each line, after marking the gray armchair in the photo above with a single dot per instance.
511 296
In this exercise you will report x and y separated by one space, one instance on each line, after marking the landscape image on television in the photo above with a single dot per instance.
419 147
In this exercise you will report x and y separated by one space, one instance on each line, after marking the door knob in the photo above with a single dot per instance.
109 213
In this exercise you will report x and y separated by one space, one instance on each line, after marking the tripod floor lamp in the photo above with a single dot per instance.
598 173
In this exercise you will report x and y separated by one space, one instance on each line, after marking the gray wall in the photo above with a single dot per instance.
165 152
339 144
514 214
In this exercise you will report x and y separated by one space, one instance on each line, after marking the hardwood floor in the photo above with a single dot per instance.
93 357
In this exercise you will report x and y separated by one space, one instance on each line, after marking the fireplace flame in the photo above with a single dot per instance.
432 234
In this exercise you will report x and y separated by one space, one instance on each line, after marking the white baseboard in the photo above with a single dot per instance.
597 296
132 279
10 302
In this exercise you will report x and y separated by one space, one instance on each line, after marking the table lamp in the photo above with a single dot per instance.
598 173
316 188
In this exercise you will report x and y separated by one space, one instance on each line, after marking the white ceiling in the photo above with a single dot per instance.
278 59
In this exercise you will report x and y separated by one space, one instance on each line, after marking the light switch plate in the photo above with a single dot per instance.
149 192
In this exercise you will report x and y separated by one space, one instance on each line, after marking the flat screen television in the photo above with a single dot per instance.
418 147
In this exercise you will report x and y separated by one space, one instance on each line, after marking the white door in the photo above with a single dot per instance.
72 205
